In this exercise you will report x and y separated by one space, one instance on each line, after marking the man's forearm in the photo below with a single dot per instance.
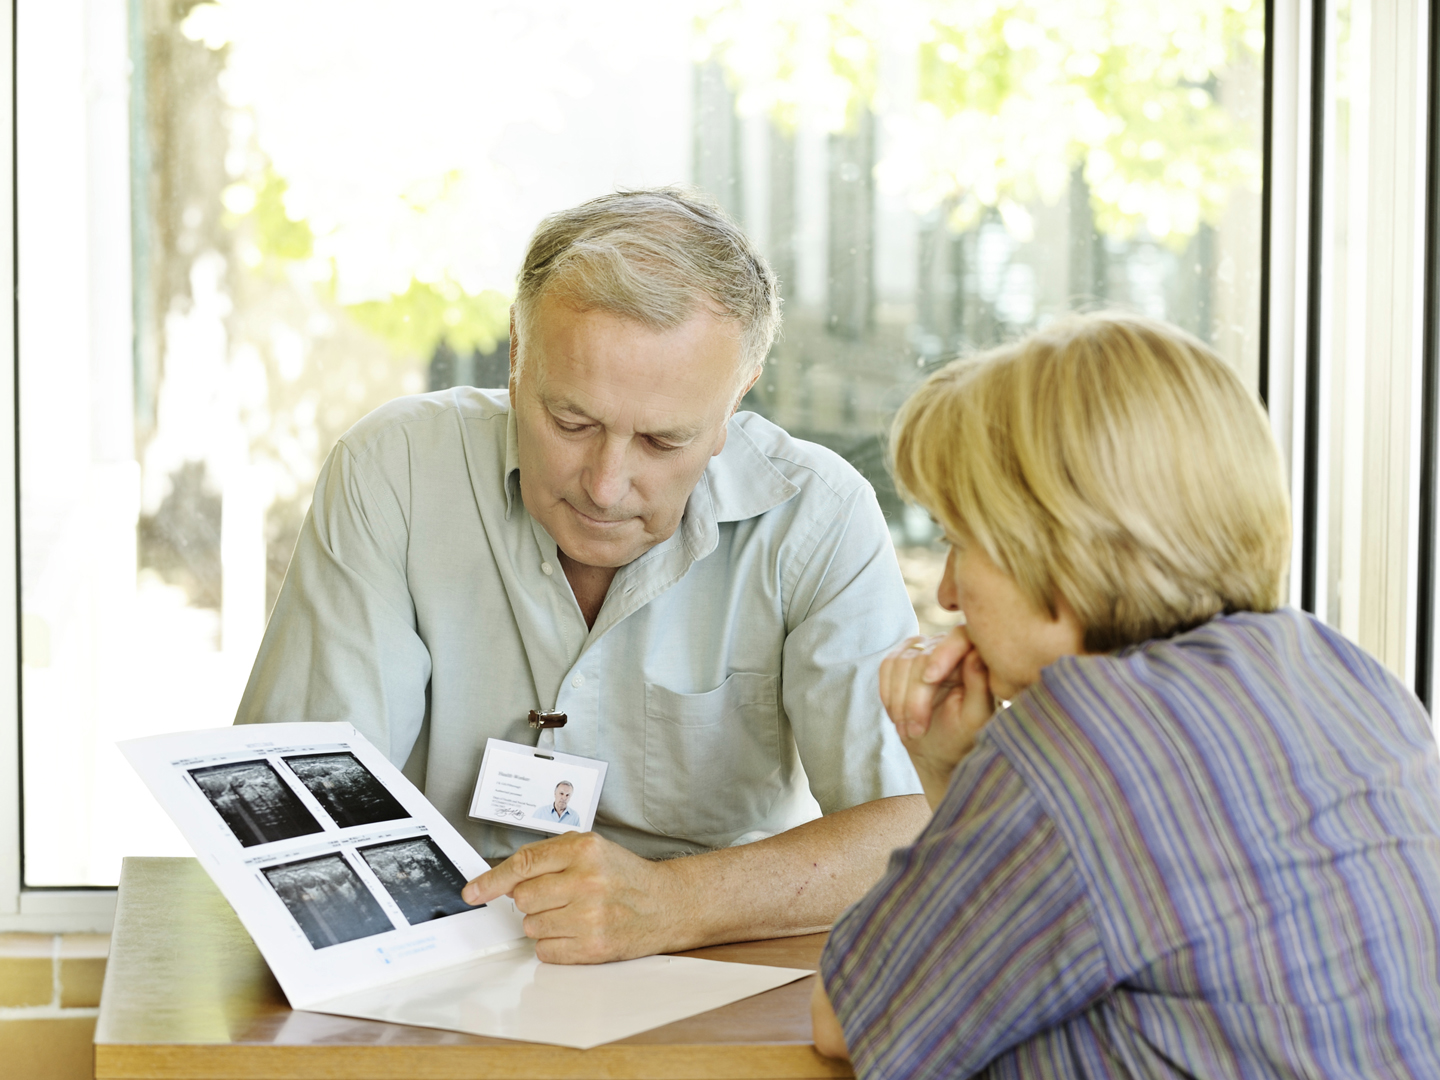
797 882
587 900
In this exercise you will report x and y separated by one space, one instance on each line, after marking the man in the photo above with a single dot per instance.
559 811
705 599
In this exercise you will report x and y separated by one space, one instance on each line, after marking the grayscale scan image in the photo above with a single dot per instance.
255 803
346 789
328 900
419 876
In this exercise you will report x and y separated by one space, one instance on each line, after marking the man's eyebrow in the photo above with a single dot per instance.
675 435
564 405
678 434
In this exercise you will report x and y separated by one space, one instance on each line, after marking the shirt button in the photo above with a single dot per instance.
578 681
546 569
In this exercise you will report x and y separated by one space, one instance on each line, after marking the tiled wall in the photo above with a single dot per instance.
49 997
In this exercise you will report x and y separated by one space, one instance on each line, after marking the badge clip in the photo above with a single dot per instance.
545 719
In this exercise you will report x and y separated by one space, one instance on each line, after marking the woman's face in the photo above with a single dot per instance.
1014 638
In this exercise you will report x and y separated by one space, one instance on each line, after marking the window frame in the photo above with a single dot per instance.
1428 527
1287 305
1392 303
21 909
1285 245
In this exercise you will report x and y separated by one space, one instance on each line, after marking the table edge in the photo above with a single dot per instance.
694 1061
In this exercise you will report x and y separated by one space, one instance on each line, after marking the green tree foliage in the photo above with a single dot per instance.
277 234
416 321
412 323
1014 95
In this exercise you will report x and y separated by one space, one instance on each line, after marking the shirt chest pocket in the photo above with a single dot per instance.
712 760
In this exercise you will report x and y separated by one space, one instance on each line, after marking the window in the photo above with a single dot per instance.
244 224
1358 499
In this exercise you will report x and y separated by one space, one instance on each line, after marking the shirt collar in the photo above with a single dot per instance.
512 459
740 482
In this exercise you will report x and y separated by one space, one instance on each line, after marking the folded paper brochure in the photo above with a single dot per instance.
349 882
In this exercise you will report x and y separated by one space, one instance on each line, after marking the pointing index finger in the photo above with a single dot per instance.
545 857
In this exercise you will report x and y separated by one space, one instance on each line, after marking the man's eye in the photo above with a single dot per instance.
572 429
663 448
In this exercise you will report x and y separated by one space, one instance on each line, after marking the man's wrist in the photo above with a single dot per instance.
700 898
684 901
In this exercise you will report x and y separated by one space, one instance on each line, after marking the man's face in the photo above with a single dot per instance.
562 797
616 423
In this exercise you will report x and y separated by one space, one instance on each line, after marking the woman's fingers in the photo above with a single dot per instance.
920 701
918 676
896 658
937 693
979 702
946 654
896 677
957 718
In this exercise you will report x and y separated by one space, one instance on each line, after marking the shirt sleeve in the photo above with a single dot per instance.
979 936
341 643
848 607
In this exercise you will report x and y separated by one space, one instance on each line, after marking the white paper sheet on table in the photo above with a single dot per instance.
512 995
348 879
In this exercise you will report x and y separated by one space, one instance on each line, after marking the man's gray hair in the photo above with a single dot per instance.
655 256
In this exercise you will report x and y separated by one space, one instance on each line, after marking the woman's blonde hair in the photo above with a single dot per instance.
1111 460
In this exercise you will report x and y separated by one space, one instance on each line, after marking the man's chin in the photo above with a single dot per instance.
610 554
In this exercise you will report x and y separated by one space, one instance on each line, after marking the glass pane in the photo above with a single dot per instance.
1340 473
328 202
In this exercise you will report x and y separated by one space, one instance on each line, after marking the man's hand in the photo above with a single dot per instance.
937 693
586 900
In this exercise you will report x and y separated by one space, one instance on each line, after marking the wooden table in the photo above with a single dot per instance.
187 995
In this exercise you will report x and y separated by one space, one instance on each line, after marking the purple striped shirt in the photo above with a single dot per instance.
1211 856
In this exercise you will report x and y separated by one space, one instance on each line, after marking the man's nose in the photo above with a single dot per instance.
609 477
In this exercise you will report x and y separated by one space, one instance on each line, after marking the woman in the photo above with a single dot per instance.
1203 837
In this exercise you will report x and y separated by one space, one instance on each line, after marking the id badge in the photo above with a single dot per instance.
528 787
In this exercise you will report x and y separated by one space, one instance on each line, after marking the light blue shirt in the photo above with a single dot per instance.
730 679
547 813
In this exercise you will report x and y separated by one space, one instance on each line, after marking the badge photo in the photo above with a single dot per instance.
530 788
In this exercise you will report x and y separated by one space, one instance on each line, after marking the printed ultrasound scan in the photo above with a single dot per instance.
328 900
346 789
255 803
420 878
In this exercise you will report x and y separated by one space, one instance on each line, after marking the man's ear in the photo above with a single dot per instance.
514 354
734 408
741 396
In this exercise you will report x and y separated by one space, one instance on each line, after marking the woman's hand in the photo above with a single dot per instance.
937 692
829 1036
